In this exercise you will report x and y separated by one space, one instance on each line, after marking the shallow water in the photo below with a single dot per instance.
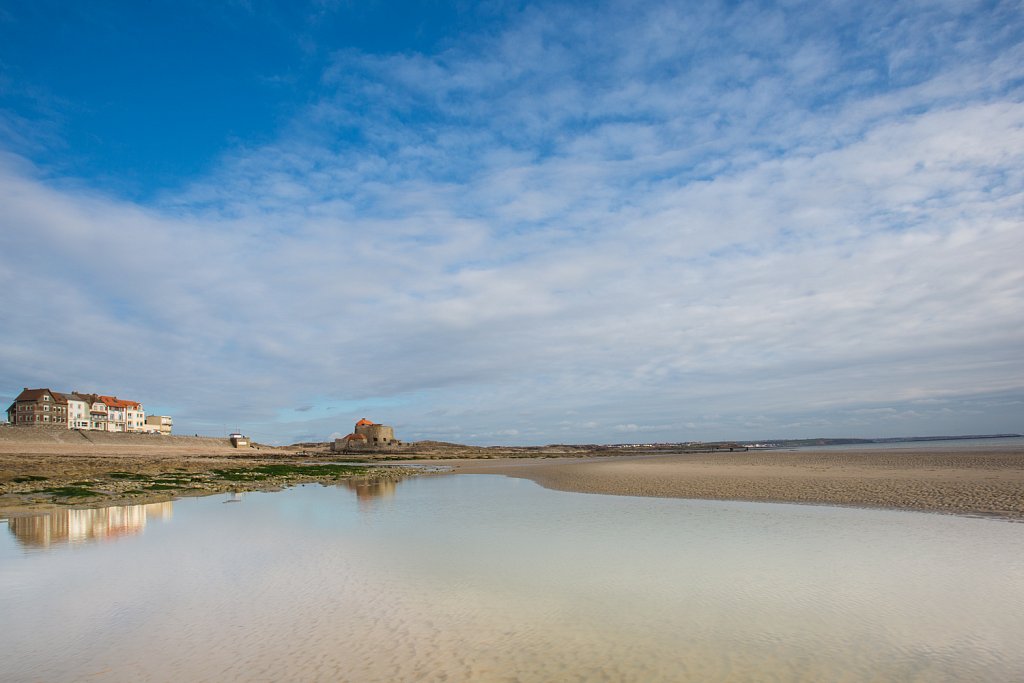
486 578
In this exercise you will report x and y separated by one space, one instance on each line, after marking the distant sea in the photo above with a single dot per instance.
938 444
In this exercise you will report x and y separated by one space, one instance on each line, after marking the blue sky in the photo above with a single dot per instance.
519 222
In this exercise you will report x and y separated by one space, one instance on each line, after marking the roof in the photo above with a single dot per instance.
364 423
36 394
115 402
355 437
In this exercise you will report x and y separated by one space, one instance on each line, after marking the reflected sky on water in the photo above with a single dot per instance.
476 577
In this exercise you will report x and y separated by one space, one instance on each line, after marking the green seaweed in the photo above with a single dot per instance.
261 472
127 475
28 478
69 492
239 475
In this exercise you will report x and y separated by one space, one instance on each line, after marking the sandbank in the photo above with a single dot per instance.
976 481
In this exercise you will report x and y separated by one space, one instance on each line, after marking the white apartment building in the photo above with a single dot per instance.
78 412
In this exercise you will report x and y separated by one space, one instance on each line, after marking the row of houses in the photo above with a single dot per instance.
92 412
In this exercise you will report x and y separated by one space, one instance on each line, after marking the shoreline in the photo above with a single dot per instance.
28 502
40 473
40 479
977 481
47 469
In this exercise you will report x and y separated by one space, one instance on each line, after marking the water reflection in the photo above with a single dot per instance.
477 577
84 526
368 491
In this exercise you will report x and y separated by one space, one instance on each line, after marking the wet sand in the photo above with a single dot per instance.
46 470
979 481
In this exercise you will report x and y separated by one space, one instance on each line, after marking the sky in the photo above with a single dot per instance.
518 222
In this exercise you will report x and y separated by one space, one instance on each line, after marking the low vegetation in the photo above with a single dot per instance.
70 491
263 472
121 485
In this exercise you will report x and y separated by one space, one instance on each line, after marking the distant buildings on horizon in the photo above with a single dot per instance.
87 412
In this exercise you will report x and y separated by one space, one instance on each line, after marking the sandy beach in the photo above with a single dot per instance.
982 481
37 467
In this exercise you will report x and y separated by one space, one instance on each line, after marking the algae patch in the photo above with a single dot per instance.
69 492
288 471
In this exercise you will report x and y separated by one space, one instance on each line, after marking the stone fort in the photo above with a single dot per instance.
367 436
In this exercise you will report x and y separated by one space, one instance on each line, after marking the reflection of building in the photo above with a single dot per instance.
368 490
82 526
367 435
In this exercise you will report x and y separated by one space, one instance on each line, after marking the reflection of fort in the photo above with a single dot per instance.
369 490
82 526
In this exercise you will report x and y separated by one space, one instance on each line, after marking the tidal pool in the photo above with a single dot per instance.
486 578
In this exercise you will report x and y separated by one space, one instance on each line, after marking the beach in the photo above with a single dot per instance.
940 478
129 468
42 470
495 578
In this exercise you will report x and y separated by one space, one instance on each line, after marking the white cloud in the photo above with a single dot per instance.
711 221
